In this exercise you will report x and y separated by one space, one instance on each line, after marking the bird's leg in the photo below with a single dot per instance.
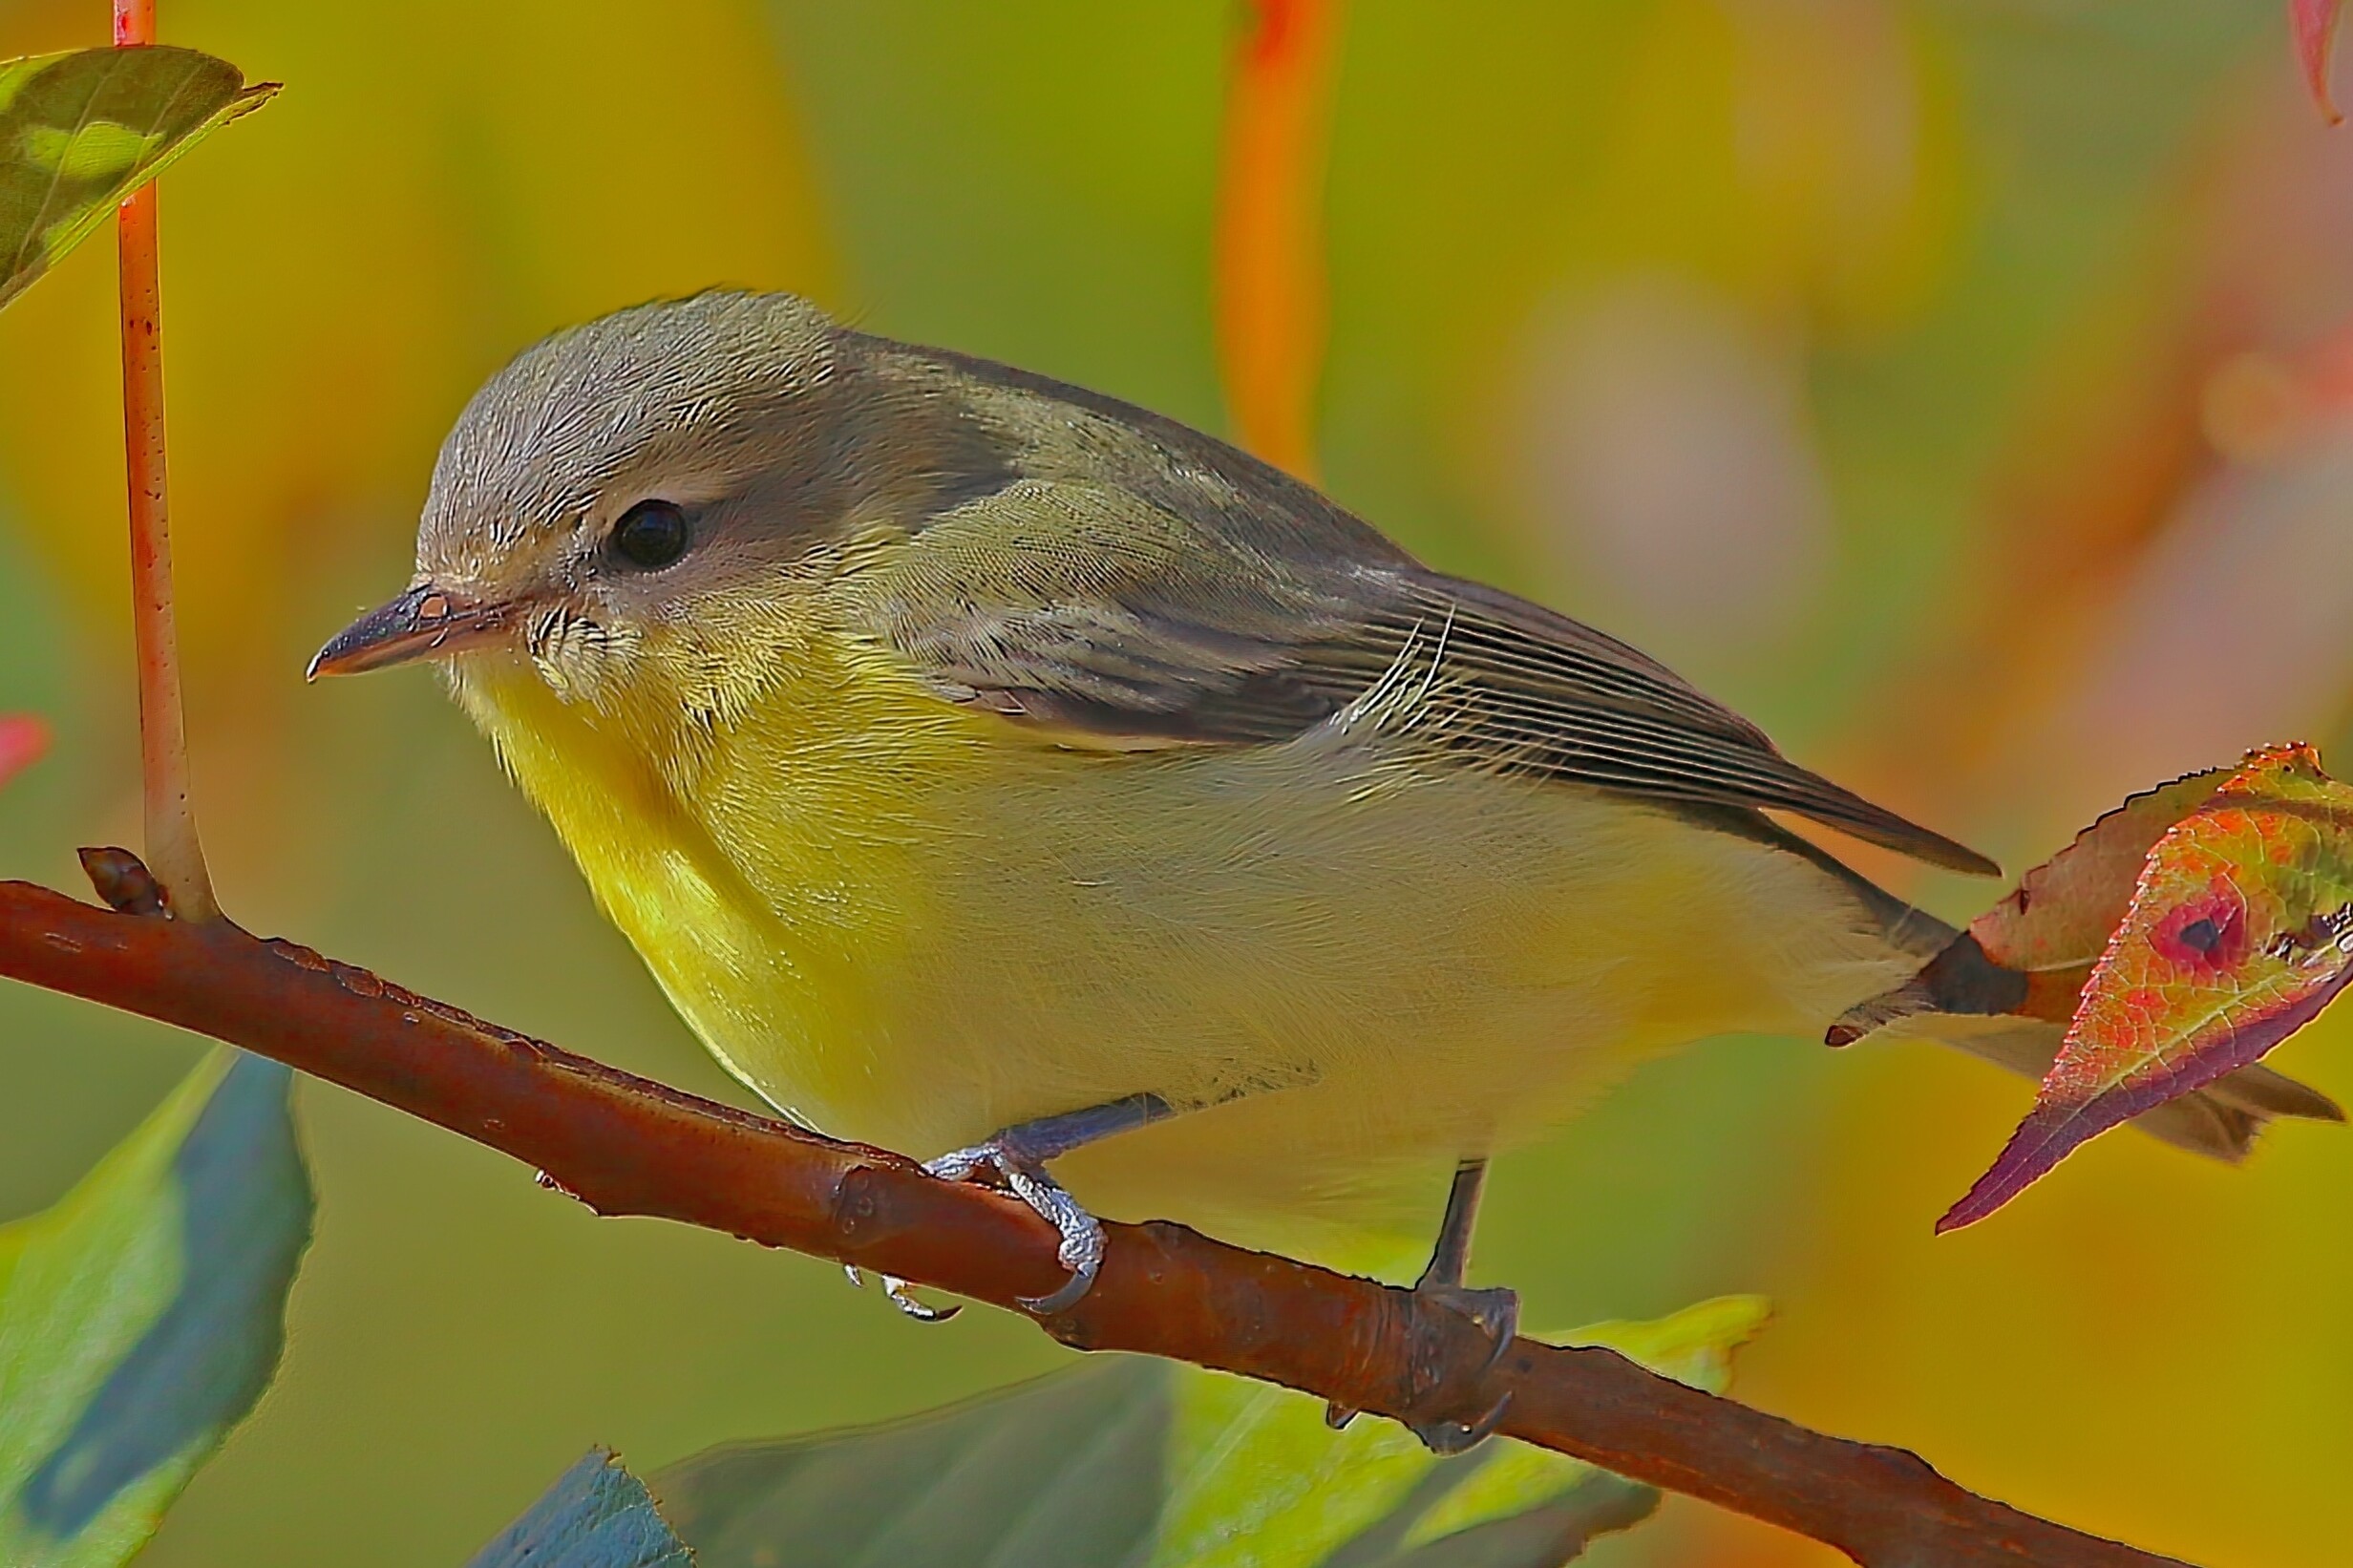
1494 1309
1019 1155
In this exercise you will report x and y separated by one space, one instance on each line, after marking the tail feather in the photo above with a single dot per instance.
2261 1093
2220 1121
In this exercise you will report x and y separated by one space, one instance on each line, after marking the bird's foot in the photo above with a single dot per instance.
1494 1309
1447 1438
1082 1234
1496 1312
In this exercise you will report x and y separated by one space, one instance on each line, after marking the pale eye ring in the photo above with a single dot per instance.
651 534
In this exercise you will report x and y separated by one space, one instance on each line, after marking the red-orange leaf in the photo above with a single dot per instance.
2315 22
2061 912
2031 953
2240 931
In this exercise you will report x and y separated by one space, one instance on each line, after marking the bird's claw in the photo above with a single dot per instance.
1496 1312
901 1294
1493 1308
1082 1234
902 1297
1446 1438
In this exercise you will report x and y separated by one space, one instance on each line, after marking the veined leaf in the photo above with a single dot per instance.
1257 1480
2061 914
1555 1530
1256 1477
81 130
596 1516
1062 1473
2032 954
2240 931
141 1318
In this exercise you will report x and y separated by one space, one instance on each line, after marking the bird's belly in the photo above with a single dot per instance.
1342 967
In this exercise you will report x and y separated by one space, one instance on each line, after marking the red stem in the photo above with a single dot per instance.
1270 247
135 22
172 845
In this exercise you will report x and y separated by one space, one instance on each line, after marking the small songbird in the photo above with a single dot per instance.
994 770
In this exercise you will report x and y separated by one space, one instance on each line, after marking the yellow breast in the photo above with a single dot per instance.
911 924
768 871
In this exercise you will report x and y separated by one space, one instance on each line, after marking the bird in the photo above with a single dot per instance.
1001 772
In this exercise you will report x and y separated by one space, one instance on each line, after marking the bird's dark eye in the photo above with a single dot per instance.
651 535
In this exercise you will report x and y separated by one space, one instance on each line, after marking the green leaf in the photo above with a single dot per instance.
142 1317
1062 1473
1257 1478
81 130
1258 1482
596 1516
1554 1531
1135 1463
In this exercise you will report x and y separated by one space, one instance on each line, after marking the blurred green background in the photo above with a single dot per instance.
1961 387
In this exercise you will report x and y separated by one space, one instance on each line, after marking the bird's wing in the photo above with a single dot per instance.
1098 612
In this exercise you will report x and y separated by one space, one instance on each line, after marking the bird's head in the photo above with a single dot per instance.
632 511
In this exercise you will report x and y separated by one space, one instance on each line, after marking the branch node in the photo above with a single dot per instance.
123 880
296 954
857 1213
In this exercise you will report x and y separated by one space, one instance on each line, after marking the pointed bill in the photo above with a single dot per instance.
2238 932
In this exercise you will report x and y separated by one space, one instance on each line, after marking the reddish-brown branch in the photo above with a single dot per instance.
625 1145
163 744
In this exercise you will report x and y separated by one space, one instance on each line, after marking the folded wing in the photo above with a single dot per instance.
1128 622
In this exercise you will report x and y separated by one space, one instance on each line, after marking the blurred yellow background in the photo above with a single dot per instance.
1961 387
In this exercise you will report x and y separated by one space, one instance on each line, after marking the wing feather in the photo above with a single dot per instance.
1145 585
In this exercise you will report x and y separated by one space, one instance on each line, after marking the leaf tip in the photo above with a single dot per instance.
2050 1132
1965 1213
1988 1192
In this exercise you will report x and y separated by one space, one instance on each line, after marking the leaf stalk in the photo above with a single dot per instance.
173 847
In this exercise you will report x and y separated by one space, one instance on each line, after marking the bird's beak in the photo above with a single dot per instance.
427 620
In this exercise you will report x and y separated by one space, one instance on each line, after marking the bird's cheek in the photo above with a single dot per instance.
583 660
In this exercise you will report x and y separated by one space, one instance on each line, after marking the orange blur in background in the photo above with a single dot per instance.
1961 387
